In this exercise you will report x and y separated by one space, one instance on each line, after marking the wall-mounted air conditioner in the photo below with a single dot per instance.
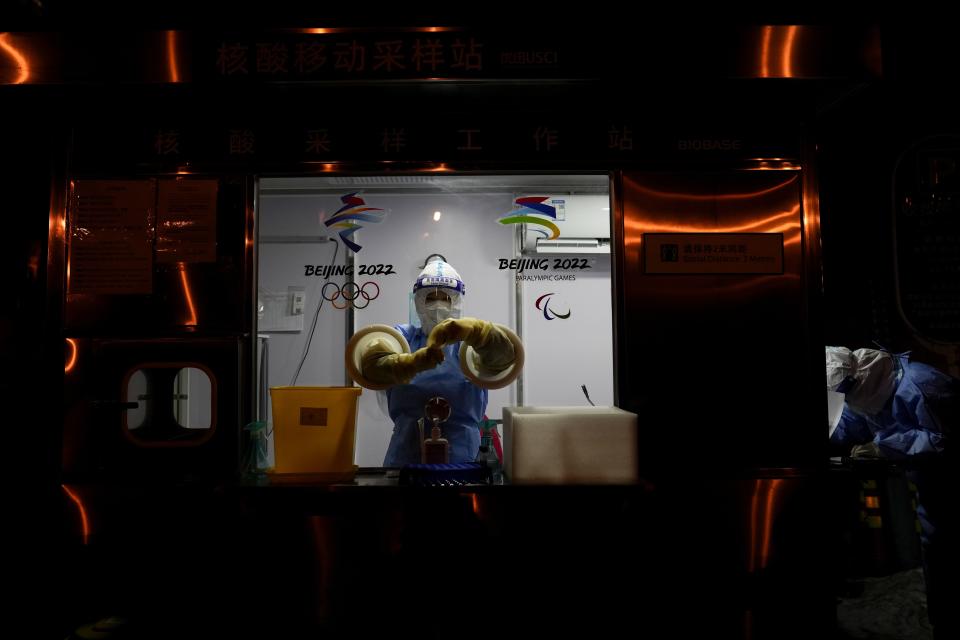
582 223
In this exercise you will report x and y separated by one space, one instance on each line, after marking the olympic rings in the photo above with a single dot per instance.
349 291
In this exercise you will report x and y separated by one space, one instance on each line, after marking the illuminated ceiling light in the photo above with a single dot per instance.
436 216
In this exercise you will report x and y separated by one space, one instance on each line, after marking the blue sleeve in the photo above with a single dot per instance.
911 442
852 429
409 333
924 409
938 401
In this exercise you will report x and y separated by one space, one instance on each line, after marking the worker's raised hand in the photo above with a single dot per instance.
427 358
493 350
410 364
383 365
453 330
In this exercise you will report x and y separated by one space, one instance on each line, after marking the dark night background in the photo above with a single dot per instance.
864 130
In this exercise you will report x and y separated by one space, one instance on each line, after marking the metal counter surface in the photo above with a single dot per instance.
747 556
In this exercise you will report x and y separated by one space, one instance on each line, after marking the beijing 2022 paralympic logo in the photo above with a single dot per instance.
354 210
543 304
534 210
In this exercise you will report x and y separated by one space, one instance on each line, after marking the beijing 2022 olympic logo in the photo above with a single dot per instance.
347 217
350 293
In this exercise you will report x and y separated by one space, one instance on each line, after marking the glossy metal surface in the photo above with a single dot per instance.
708 557
717 365
96 443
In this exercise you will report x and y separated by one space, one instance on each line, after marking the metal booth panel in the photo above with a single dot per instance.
712 318
131 413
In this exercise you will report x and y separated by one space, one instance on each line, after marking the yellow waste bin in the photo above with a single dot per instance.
314 431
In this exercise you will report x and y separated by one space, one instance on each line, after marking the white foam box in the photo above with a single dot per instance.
569 445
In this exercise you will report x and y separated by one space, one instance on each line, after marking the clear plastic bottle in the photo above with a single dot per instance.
487 455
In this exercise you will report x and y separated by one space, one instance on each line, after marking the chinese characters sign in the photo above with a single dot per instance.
713 253
343 56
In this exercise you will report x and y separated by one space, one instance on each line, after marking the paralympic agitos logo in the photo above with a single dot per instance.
543 304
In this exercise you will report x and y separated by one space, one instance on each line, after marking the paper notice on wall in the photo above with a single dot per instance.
111 247
187 221
713 253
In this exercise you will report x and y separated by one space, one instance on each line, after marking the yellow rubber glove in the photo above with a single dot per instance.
381 364
494 350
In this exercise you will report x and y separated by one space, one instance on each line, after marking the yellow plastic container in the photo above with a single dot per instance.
314 430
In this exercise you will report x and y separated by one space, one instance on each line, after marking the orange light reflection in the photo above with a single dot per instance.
330 30
765 53
72 360
762 504
33 264
186 293
58 226
723 196
84 522
787 54
775 166
761 522
172 56
19 59
773 487
752 539
644 226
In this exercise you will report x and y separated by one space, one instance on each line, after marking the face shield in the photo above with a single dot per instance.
437 294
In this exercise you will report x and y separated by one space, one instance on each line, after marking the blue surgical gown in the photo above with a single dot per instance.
915 425
914 421
405 404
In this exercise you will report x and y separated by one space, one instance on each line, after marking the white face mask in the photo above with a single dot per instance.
433 312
